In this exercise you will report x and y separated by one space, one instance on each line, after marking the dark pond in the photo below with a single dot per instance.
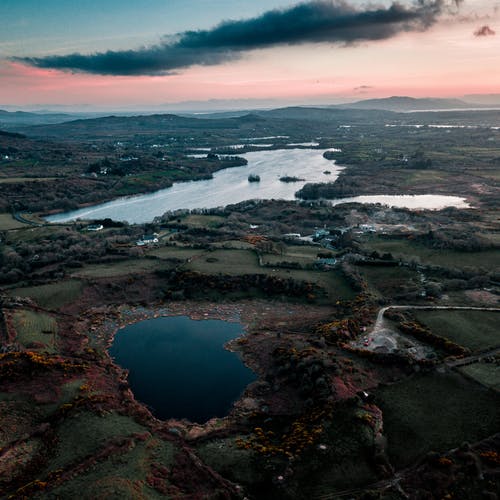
179 368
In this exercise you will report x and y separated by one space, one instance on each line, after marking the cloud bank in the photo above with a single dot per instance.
322 21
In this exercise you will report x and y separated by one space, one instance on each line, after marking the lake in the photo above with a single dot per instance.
412 202
231 186
179 368
228 186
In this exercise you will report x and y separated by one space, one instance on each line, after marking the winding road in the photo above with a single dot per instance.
18 216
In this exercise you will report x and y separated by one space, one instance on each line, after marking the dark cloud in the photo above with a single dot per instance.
333 21
484 31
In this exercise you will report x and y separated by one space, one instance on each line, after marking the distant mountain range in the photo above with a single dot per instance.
405 104
397 104
128 126
237 107
9 119
394 109
483 99
13 119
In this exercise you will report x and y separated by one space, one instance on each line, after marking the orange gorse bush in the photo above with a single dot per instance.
492 457
303 433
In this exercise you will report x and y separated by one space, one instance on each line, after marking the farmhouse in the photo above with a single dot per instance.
147 239
325 263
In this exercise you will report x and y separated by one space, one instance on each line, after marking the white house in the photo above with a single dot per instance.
147 239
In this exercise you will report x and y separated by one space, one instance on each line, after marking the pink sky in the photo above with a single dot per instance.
445 61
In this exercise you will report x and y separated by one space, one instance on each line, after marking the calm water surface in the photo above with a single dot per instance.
228 186
231 185
412 202
179 368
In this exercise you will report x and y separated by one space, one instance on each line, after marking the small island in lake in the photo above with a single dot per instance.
288 178
253 178
327 172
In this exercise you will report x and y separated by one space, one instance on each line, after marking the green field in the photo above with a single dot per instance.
420 176
234 244
8 222
490 174
224 456
300 254
238 262
390 281
121 475
204 221
170 252
487 374
18 180
52 296
333 282
410 250
30 234
35 327
85 433
435 412
476 330
122 268
233 262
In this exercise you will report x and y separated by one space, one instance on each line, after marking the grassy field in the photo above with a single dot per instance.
476 330
300 254
237 262
30 234
18 180
86 433
233 262
487 374
52 296
435 412
35 327
492 237
8 222
416 177
390 281
204 221
234 244
122 268
333 282
229 460
181 253
222 261
490 174
118 476
407 249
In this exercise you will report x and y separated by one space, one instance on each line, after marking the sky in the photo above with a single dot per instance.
114 54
